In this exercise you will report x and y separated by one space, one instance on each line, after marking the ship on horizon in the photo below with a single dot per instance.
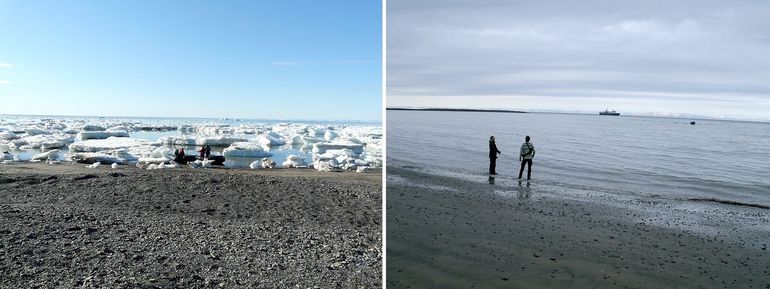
609 112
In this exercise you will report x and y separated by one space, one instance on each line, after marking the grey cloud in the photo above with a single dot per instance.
702 51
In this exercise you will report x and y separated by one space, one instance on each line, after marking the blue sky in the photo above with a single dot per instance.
249 59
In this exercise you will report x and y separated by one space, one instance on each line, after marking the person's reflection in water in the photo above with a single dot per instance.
524 191
491 180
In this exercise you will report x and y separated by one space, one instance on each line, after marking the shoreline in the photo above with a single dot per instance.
69 226
452 233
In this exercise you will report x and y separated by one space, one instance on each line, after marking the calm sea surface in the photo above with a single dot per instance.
659 157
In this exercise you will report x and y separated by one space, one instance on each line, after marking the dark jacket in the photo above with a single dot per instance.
493 151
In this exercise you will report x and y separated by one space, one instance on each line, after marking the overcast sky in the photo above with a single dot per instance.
693 57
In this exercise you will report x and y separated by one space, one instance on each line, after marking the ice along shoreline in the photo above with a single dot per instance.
332 146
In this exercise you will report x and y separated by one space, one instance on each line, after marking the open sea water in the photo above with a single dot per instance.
649 156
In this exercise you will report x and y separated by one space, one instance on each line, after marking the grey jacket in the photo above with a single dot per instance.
527 151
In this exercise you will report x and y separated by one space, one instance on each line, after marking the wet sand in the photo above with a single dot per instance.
445 232
65 226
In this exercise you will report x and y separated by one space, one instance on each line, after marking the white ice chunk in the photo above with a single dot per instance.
42 141
94 165
255 165
330 135
8 135
36 131
220 141
110 143
320 148
52 154
246 149
294 161
114 166
304 140
267 163
118 128
86 135
92 127
271 139
90 158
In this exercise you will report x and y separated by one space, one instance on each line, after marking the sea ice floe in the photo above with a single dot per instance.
271 139
331 135
8 135
92 127
41 141
294 161
110 143
52 154
246 149
90 158
221 141
267 163
320 148
200 164
86 135
35 131
304 140
362 143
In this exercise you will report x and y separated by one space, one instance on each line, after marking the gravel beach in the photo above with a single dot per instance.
447 232
66 226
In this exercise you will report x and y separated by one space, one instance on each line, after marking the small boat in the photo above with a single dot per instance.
609 112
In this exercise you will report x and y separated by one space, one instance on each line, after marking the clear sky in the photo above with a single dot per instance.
698 57
302 59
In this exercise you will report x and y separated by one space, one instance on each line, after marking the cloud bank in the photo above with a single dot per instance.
694 57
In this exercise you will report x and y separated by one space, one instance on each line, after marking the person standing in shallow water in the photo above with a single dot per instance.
526 154
493 152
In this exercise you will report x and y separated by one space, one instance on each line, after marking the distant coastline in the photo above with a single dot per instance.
456 109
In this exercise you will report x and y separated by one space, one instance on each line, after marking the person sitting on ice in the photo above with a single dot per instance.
202 152
179 155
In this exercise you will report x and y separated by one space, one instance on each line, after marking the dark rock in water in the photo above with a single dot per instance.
218 160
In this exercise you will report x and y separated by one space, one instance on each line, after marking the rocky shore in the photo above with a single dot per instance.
65 226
